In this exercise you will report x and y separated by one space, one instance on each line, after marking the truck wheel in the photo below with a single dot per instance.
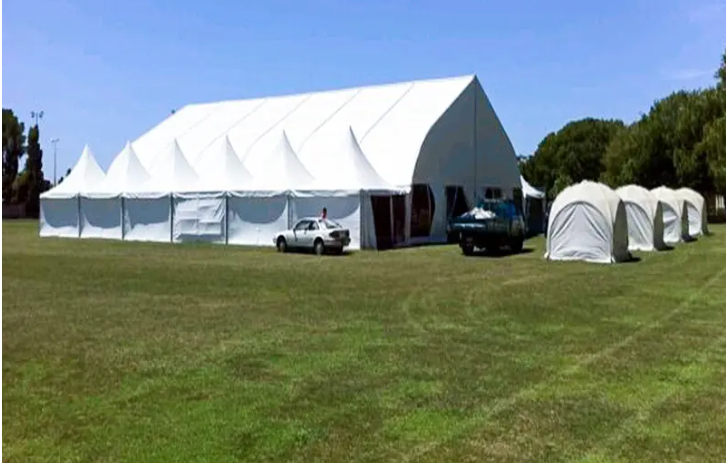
516 245
318 247
467 249
281 245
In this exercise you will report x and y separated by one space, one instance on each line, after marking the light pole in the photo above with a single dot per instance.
55 159
37 115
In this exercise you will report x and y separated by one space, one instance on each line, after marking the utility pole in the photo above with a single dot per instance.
55 159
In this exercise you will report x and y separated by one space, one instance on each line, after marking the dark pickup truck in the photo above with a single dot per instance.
506 227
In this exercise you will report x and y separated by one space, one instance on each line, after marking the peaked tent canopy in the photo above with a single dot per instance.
171 172
529 191
675 215
86 175
279 169
124 174
588 222
59 207
696 208
645 218
222 169
340 163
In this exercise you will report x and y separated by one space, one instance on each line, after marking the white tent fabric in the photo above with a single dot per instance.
102 207
59 206
529 191
222 170
337 161
279 168
675 215
588 222
645 218
697 213
392 139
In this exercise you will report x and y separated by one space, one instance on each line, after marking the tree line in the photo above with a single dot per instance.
680 142
22 186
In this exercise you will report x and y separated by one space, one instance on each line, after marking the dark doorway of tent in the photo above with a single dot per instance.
389 219
456 205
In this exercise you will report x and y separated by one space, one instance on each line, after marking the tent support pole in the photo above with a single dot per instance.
226 219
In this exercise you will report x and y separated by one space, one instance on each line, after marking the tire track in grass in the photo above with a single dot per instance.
629 426
508 402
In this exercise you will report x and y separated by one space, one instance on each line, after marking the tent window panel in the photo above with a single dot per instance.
399 218
422 210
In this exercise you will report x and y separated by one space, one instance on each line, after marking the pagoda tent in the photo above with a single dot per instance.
59 206
675 215
202 215
102 207
588 222
260 209
346 183
645 218
535 204
148 207
697 212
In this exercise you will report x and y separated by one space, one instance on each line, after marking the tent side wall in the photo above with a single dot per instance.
619 251
59 217
200 217
147 219
346 210
102 217
640 227
254 220
467 147
579 231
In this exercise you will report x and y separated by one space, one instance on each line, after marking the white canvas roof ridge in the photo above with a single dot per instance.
86 174
329 118
234 124
277 124
388 110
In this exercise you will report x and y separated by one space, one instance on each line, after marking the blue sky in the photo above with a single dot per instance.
107 71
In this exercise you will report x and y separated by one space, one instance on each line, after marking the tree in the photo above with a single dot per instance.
572 154
13 149
36 183
721 73
713 148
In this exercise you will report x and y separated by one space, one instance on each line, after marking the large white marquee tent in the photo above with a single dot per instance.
696 209
588 222
645 218
383 160
675 214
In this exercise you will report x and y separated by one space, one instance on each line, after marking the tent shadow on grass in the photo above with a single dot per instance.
499 253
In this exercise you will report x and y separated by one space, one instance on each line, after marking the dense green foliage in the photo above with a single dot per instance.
679 142
13 149
35 181
572 154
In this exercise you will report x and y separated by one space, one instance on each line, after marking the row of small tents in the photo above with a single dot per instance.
589 221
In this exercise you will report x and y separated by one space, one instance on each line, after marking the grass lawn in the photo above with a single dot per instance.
143 352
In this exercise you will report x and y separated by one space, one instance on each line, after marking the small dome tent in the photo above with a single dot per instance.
696 208
675 215
588 222
645 218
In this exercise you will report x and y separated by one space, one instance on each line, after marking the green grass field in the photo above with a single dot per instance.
141 352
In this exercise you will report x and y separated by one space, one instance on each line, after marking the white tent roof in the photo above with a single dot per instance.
599 195
691 196
170 172
337 162
124 174
278 168
391 122
222 170
86 175
530 191
669 197
640 196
